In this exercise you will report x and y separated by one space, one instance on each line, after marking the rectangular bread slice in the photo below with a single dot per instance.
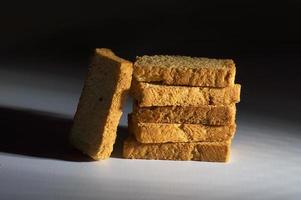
148 94
163 133
202 151
184 70
207 114
100 105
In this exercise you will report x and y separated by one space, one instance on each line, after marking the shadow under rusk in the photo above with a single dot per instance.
122 133
37 134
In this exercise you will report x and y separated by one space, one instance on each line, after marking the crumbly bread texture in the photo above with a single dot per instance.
100 105
148 94
163 133
184 70
202 151
207 114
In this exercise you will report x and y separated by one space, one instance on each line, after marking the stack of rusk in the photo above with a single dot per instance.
184 109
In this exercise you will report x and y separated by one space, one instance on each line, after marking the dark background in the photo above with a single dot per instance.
57 38
208 28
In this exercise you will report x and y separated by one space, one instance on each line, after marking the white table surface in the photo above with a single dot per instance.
265 161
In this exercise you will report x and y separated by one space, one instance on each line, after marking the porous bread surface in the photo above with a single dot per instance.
206 114
148 94
185 70
100 105
202 151
163 133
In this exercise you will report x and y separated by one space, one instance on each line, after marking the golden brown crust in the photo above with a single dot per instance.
100 105
207 114
202 151
163 132
184 70
148 94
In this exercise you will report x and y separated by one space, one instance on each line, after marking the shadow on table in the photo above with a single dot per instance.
42 135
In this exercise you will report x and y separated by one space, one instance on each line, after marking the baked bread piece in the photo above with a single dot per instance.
184 70
207 114
148 94
100 105
163 133
202 151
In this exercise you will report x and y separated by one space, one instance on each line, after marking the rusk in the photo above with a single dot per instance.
100 105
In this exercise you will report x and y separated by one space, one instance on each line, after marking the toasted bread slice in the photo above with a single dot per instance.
207 114
163 132
202 151
100 105
184 70
148 94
